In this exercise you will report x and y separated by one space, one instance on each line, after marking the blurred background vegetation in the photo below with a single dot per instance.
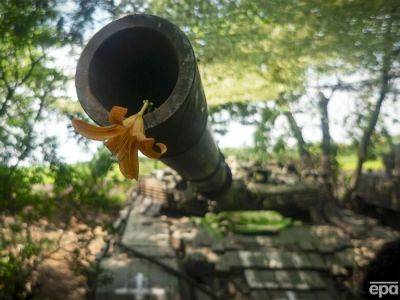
275 66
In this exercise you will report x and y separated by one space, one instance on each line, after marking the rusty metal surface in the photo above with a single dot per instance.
143 57
304 261
155 189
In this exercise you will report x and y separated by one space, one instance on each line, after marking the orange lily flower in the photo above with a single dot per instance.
123 138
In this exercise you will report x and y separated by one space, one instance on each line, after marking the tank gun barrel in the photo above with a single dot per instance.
144 57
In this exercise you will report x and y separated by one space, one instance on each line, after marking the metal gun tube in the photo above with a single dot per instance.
143 57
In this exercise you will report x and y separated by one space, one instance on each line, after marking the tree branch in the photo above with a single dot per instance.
27 141
11 90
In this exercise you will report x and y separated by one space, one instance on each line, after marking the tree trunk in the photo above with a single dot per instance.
305 155
369 130
389 159
326 145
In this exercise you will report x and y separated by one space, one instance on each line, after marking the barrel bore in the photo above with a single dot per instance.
143 57
125 71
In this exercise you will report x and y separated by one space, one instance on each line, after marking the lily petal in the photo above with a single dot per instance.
96 132
117 115
146 147
123 161
133 160
123 164
115 144
129 164
123 150
128 122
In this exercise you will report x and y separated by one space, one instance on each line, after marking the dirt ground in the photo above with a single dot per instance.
60 270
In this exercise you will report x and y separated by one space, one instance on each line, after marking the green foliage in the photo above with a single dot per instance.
16 188
20 254
244 222
27 83
30 84
244 53
30 81
88 184
277 42
93 185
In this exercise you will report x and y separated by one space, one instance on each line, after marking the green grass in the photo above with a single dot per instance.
349 162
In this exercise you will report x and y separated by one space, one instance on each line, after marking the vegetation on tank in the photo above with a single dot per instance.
244 222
